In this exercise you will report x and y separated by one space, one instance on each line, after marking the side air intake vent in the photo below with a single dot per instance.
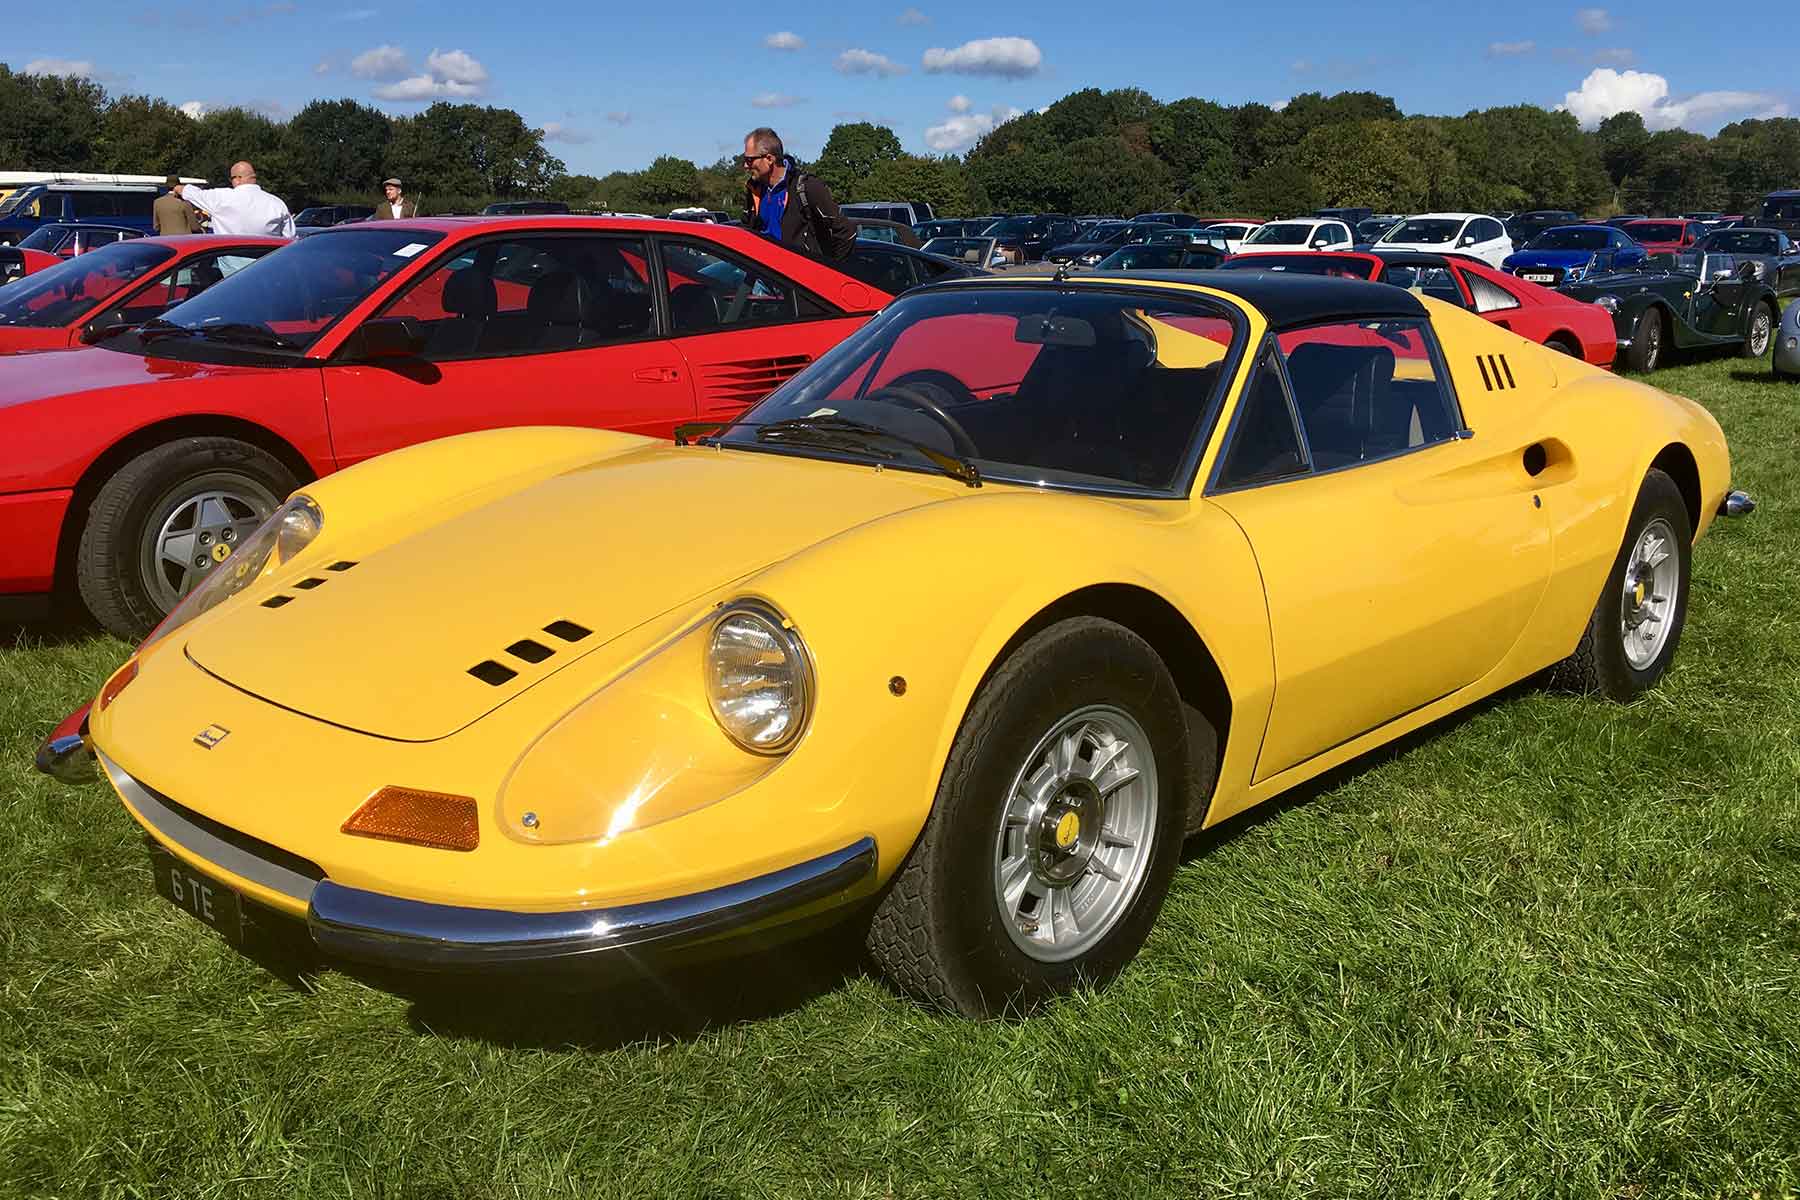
1495 372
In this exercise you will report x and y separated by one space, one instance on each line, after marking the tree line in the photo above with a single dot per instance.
1093 151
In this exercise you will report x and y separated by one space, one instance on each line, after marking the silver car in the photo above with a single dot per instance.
1786 363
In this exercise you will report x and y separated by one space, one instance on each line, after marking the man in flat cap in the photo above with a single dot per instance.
396 207
172 214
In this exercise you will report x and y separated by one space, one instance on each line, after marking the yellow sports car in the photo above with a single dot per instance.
960 632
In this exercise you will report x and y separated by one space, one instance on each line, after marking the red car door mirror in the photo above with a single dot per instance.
385 337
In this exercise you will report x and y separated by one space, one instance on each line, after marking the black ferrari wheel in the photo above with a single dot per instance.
1762 328
1055 831
165 519
1646 342
1631 636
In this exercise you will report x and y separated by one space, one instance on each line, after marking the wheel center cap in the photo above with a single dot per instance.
220 552
1068 830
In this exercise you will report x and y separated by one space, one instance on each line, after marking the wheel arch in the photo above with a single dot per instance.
108 461
1677 462
1191 663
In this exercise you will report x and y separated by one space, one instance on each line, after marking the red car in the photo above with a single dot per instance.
1664 236
1536 313
132 465
116 287
48 245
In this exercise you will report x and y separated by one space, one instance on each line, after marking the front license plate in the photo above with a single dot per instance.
1538 278
206 900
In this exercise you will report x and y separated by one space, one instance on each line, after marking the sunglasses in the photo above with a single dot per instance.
747 159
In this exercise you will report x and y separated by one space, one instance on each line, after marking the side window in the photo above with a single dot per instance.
1265 444
1437 282
710 289
531 296
1366 389
1489 297
135 204
94 204
1488 230
878 268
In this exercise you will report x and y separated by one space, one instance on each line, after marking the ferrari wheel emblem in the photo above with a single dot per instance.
211 736
1067 830
220 552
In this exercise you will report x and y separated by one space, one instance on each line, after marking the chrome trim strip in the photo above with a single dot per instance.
178 829
372 927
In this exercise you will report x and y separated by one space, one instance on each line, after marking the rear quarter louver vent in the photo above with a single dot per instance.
1495 372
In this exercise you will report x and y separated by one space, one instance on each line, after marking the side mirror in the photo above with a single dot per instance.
1319 243
94 331
1468 239
386 337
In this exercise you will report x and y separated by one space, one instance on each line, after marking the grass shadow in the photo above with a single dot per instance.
638 1001
61 629
1765 378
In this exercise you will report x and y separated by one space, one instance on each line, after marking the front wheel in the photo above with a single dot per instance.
167 518
1631 636
1055 832
1646 342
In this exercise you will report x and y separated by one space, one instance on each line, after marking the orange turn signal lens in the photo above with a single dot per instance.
123 676
434 819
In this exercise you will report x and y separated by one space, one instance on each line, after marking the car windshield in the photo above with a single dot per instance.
1280 233
975 250
1570 239
1037 385
46 238
1741 241
1152 256
1105 234
295 294
1019 227
57 295
19 199
314 216
1307 264
1432 231
1656 231
1775 208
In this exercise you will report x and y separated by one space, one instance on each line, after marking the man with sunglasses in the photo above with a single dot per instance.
786 205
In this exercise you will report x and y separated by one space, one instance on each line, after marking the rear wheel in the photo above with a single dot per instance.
1631 636
1055 831
1646 342
1762 327
1564 344
165 519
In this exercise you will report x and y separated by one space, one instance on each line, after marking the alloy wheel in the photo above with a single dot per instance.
1648 595
194 528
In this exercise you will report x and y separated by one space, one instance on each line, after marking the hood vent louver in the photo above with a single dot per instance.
527 650
492 673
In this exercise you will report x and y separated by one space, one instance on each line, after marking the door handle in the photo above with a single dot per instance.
657 375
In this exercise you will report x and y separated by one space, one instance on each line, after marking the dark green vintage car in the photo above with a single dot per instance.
1683 301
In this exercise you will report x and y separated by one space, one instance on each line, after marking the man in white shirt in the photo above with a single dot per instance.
243 209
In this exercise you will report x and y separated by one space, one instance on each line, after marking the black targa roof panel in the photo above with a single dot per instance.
1285 300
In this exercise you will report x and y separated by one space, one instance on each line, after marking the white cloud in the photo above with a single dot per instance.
1616 57
913 16
357 14
556 131
383 62
449 74
195 109
1012 57
1279 105
72 68
619 118
322 67
1507 49
774 100
1300 66
959 104
784 41
1593 20
867 62
1606 92
964 129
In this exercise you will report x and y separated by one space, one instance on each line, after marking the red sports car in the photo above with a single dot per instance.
1537 313
132 465
116 287
48 245
1664 236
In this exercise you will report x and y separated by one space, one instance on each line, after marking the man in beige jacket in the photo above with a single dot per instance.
396 207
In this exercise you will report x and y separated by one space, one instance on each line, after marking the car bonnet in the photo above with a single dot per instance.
387 647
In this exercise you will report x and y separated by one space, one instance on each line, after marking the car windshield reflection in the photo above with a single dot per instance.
57 295
1095 390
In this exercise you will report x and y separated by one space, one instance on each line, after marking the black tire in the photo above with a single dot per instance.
1647 335
132 506
1599 664
1564 345
1761 331
937 931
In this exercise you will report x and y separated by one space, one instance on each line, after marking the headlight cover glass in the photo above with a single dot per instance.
758 678
1609 303
285 534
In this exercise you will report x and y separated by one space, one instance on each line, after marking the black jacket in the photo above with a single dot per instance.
827 234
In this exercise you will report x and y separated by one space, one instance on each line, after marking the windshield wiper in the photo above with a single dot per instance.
843 430
244 333
156 327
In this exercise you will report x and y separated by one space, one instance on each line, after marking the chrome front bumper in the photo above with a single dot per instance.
66 755
370 927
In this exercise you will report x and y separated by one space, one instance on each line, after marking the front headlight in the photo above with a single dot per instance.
1609 303
278 540
758 678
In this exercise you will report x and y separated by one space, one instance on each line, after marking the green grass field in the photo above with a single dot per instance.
1552 948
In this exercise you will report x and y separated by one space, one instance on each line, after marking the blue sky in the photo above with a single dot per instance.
616 84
